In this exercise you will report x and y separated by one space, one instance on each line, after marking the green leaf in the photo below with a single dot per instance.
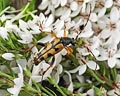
79 94
65 90
23 93
114 74
4 4
98 92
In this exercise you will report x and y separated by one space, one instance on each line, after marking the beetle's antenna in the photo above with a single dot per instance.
82 27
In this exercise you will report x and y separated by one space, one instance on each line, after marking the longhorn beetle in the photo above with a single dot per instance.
52 48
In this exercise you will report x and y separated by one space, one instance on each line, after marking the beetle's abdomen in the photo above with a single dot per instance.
49 50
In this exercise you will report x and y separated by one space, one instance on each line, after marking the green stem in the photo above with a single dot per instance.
11 71
29 88
4 10
52 81
27 14
5 75
46 91
59 89
36 85
114 74
95 76
21 13
52 92
78 85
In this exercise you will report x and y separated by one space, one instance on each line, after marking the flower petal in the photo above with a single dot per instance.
63 2
93 17
66 14
37 78
74 6
57 74
22 63
23 25
18 83
42 18
82 69
43 5
8 56
70 87
108 3
3 33
111 62
91 92
92 65
114 15
101 12
75 70
49 21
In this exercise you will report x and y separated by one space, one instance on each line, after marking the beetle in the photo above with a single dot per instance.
54 47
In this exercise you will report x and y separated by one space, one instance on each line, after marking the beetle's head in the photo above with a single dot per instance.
73 41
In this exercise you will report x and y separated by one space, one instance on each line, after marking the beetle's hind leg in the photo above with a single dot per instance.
64 30
39 43
43 72
51 64
69 50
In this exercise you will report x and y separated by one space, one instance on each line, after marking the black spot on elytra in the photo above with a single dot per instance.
56 49
49 54
42 58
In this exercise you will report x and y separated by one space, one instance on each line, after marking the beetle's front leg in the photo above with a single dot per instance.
69 50
53 34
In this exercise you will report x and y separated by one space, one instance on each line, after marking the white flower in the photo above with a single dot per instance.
65 14
44 4
23 25
111 30
34 27
36 75
91 92
22 62
84 5
12 27
82 68
59 2
37 72
18 83
26 37
57 73
74 6
90 47
110 54
46 23
70 87
87 32
8 56
3 33
105 4
48 5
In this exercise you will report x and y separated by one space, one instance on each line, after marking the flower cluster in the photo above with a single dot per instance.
95 61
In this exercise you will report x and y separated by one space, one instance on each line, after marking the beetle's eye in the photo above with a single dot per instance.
73 41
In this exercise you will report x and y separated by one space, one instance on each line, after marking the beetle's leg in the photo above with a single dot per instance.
69 50
64 30
53 34
39 43
51 64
